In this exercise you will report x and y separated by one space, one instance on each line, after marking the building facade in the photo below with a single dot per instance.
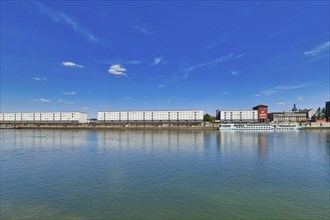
44 117
327 111
296 116
151 116
262 112
227 116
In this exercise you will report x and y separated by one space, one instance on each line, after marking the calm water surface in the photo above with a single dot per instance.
151 174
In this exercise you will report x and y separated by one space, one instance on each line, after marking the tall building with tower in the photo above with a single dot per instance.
301 115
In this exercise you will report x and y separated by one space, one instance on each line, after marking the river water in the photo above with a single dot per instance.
164 174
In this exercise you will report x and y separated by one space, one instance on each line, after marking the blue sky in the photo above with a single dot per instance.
99 56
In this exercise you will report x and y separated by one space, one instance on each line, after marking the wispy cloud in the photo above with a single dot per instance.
222 38
278 89
69 93
158 60
123 61
286 87
280 31
132 62
174 99
280 103
60 17
84 107
269 92
65 102
143 30
224 93
117 70
72 64
185 72
256 95
211 45
39 79
189 69
300 98
41 100
161 86
234 73
319 49
128 97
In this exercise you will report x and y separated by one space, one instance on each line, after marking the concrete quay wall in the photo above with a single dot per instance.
314 125
180 125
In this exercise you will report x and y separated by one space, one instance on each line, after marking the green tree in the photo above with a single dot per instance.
207 117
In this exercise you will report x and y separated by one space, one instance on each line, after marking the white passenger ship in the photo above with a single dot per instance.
260 127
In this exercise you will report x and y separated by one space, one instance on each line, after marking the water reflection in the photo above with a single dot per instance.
153 139
94 174
247 142
15 139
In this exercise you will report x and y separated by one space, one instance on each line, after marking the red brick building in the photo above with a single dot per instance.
262 112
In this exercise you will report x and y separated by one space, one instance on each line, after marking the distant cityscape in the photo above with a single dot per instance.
258 114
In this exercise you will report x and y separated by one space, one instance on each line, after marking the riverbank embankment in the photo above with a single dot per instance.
156 126
314 125
182 125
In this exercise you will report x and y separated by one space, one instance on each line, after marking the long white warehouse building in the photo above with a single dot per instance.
78 117
238 115
151 116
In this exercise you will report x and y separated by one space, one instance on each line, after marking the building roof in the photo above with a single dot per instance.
153 110
238 110
42 112
260 106
300 111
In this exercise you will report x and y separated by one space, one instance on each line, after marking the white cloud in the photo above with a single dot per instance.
39 79
143 30
69 93
280 103
41 100
158 60
225 93
315 51
84 107
128 97
71 64
63 18
65 102
300 98
234 73
161 86
117 70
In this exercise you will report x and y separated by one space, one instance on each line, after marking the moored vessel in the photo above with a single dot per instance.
260 127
